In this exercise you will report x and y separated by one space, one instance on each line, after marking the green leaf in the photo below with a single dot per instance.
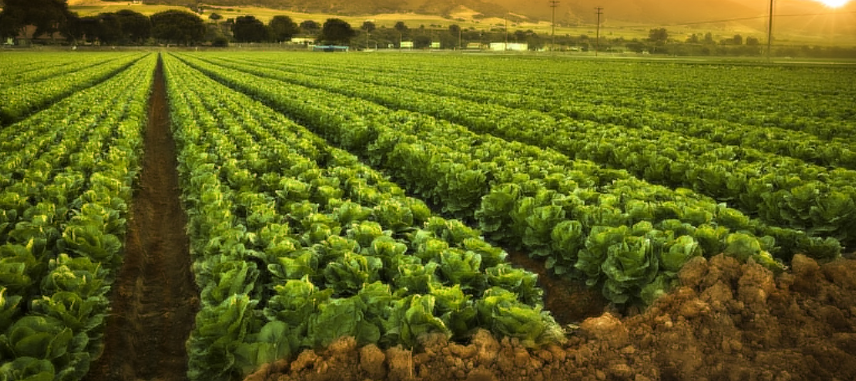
410 317
341 317
40 337
27 369
681 250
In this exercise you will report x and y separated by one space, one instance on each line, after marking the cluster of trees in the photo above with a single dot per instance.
251 29
707 39
126 27
123 27
48 16
453 37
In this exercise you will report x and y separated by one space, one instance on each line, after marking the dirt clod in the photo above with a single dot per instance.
372 362
606 328
727 322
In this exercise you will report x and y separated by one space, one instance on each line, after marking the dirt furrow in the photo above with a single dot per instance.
154 299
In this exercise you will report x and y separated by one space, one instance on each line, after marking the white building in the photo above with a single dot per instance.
511 46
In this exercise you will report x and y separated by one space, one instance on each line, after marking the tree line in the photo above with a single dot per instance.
127 27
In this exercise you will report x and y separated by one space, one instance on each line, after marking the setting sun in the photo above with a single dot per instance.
833 3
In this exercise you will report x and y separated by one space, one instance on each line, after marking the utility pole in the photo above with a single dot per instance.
770 31
506 32
597 36
553 4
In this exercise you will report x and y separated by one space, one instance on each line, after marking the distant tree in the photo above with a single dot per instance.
220 42
708 38
215 17
368 26
534 41
105 28
136 27
337 31
693 39
72 30
658 35
519 36
421 42
249 29
752 41
310 27
737 40
87 28
282 28
448 41
454 30
48 16
110 29
401 29
178 26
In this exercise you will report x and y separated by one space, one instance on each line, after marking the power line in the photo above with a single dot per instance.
736 19
770 31
597 36
553 4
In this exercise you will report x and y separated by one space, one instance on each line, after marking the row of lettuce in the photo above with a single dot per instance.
823 144
810 98
26 89
617 232
295 244
778 190
67 177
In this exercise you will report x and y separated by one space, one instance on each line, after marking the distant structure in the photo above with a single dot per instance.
303 40
508 46
330 48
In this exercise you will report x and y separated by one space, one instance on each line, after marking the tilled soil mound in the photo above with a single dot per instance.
726 322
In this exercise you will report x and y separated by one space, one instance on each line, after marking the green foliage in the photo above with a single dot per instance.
215 345
502 312
411 316
282 28
62 211
341 250
336 31
250 29
28 369
177 27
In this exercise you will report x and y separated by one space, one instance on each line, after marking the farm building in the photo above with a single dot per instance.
503 46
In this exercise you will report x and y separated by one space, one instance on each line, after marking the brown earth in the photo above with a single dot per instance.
726 321
569 301
154 299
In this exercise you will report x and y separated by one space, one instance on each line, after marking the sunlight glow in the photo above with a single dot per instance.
833 3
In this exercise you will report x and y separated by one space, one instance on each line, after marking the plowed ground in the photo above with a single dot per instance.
726 322
154 299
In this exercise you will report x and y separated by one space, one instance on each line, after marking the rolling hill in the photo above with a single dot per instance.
794 16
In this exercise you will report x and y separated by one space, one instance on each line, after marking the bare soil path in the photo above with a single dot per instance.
154 299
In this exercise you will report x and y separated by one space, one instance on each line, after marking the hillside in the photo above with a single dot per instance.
795 17
358 7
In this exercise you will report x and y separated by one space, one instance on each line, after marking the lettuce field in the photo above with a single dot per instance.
306 216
